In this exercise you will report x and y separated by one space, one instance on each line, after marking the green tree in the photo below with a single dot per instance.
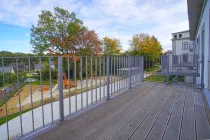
144 44
62 33
111 46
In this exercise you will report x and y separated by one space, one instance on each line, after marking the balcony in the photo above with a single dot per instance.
117 97
149 111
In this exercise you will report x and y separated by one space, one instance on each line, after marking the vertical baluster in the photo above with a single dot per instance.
104 70
91 73
75 81
114 75
6 96
96 80
100 74
32 105
60 83
86 66
111 75
50 75
81 82
69 94
40 68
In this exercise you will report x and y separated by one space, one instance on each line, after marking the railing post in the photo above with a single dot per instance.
130 73
202 71
167 69
108 77
60 84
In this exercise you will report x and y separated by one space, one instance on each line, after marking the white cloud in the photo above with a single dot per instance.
115 18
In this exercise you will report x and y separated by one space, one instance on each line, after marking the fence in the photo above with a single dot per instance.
64 86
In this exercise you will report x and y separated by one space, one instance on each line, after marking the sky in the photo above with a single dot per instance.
119 19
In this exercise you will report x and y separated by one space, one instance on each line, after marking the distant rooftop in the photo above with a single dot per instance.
180 32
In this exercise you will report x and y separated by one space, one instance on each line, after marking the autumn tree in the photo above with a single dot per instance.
62 33
111 46
144 44
149 46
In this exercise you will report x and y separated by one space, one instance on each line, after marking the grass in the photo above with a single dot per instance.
161 78
10 117
43 82
158 78
155 68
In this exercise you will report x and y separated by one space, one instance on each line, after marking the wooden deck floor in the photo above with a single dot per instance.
151 111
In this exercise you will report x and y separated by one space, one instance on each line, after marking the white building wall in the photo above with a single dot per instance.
178 47
204 24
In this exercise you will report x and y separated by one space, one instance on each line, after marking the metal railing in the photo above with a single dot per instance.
58 87
176 69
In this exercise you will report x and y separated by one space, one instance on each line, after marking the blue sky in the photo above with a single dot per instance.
120 19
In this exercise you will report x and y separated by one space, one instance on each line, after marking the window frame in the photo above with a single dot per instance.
185 45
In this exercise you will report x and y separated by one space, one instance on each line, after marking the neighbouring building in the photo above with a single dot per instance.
168 52
7 69
38 67
20 67
199 16
181 43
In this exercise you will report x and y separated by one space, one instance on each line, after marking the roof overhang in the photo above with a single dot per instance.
194 12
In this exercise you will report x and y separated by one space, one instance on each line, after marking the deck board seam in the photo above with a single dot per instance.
117 104
182 115
119 119
170 114
112 108
159 115
119 112
138 113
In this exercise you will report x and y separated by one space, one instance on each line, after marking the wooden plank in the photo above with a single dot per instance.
158 129
130 128
174 126
97 131
112 131
188 124
68 127
201 121
106 117
146 126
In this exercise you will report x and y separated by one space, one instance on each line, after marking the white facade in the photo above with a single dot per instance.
200 33
202 40
181 43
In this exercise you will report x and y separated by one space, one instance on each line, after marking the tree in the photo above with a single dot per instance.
144 44
62 33
111 46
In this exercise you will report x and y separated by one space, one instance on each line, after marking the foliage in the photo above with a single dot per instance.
11 57
111 46
62 33
10 78
144 44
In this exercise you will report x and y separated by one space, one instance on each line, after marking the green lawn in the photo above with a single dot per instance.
10 117
161 78
44 82
155 68
158 78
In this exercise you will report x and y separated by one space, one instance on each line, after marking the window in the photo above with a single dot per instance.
184 45
175 36
180 35
185 57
